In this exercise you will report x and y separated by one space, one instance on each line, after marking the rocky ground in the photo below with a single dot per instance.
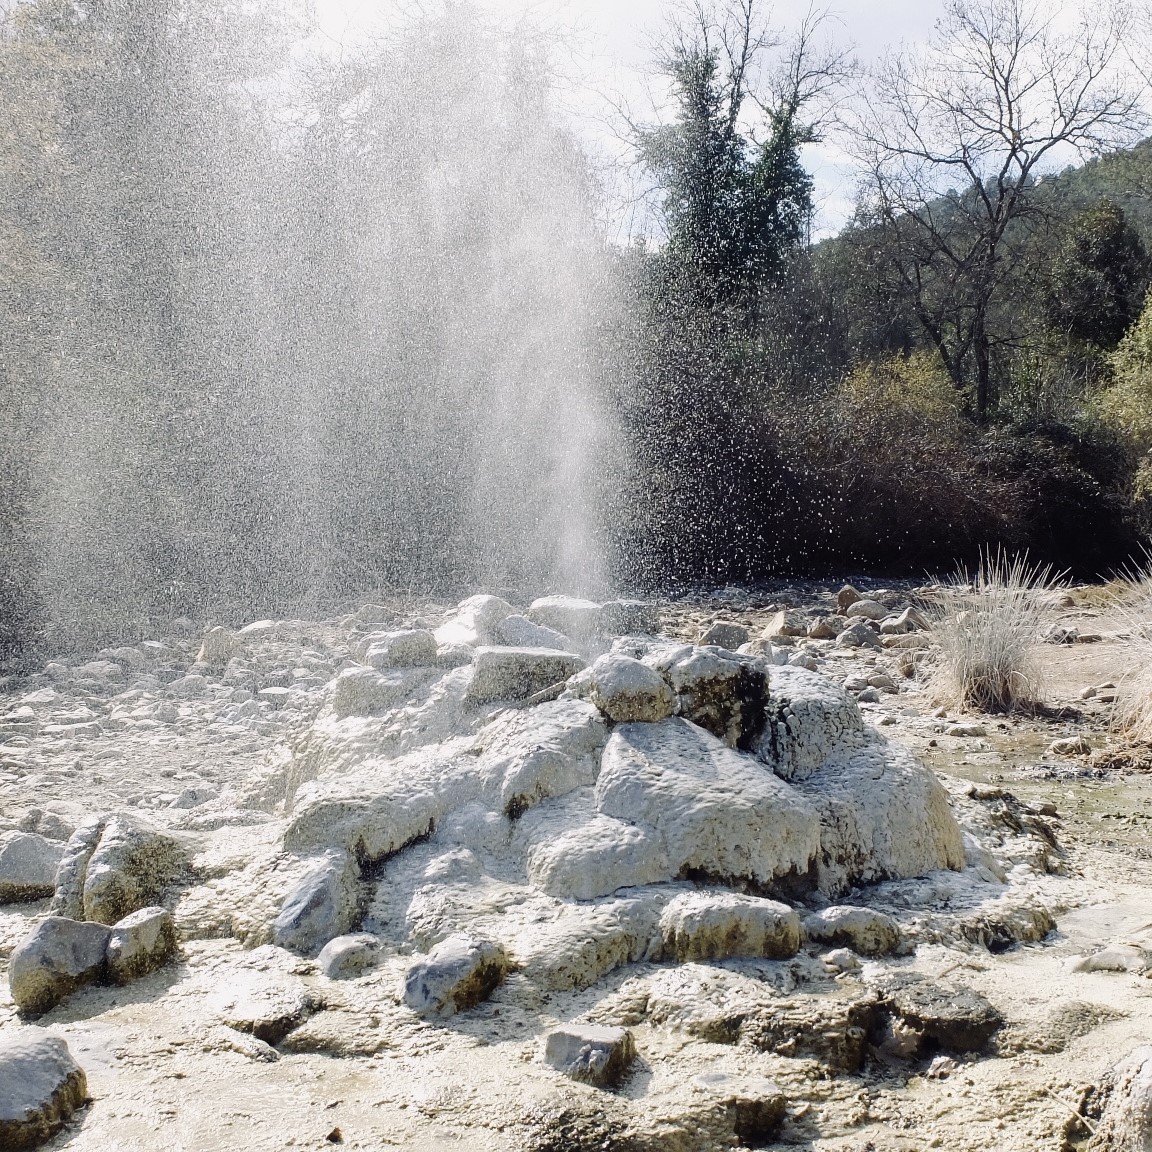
495 878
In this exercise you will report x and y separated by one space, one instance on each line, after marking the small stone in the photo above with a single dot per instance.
456 975
724 635
257 629
866 610
139 944
869 696
787 622
864 930
55 959
803 660
593 1055
267 1008
273 697
966 730
41 1085
414 648
842 960
858 635
345 957
1115 958
827 627
1070 746
625 689
28 864
846 597
322 906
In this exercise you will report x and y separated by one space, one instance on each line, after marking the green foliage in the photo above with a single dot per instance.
1098 277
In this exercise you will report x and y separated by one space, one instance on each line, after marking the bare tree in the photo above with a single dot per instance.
955 136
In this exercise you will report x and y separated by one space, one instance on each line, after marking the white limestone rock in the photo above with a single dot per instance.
719 814
363 691
1126 1124
456 975
864 930
580 619
517 673
629 618
321 906
627 690
411 648
519 632
41 1085
140 943
718 925
596 858
721 691
28 864
531 755
53 960
883 816
866 610
218 647
345 957
592 1055
114 865
809 719
722 634
474 621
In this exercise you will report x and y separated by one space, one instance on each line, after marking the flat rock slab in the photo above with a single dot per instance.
517 673
28 864
959 1020
55 959
41 1085
456 975
593 1055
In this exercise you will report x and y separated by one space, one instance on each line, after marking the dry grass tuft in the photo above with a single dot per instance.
988 625
1132 607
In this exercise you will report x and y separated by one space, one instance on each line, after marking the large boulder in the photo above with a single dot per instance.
28 865
517 673
115 865
626 690
864 930
456 975
720 815
322 906
55 959
41 1085
519 632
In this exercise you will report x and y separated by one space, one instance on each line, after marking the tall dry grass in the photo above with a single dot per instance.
1131 606
989 625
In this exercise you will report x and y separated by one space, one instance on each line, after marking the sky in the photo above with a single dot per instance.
608 52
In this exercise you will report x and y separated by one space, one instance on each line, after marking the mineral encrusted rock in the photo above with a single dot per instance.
345 957
140 943
457 974
517 673
41 1085
626 690
864 930
755 1106
957 1020
28 865
720 925
593 1055
322 906
56 958
1126 1125
115 865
